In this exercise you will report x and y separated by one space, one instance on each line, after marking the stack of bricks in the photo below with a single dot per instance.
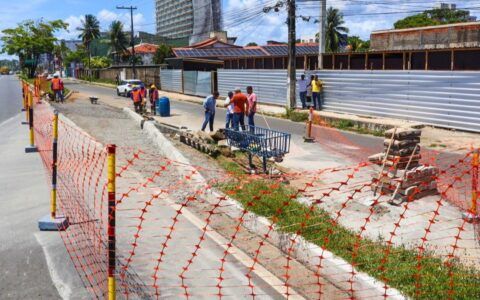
403 176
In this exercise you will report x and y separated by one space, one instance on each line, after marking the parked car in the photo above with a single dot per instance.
126 86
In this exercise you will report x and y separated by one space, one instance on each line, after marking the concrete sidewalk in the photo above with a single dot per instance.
35 265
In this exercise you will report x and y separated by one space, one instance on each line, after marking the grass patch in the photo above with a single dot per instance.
99 80
273 200
297 116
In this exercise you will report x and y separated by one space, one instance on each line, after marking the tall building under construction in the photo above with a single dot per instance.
193 19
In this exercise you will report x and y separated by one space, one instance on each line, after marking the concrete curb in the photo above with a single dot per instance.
334 269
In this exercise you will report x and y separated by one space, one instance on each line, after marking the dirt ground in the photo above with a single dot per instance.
110 125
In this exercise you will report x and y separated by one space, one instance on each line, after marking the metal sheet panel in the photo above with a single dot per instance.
269 85
197 83
440 98
171 80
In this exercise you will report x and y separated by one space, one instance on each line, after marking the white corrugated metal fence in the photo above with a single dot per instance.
446 99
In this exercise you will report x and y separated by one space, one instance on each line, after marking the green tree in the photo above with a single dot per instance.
90 31
251 44
433 17
335 30
60 50
76 56
163 51
100 62
355 43
29 40
118 40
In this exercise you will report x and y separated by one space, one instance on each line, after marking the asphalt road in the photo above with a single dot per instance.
33 264
10 97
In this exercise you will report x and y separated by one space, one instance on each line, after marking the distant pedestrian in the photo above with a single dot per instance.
229 106
240 105
136 96
302 89
117 79
209 104
317 87
56 87
309 91
153 96
251 107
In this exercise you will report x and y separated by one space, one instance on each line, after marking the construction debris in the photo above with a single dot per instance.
402 175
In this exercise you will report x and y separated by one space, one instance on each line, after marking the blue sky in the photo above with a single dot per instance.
361 16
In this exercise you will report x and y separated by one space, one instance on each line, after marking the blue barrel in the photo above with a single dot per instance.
163 107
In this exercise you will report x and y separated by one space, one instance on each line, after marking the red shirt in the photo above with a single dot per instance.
239 102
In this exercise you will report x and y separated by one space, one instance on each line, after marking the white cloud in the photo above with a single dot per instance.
105 17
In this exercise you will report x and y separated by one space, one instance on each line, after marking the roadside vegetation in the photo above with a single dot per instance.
273 200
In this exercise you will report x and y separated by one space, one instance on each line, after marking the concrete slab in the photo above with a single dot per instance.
47 223
31 149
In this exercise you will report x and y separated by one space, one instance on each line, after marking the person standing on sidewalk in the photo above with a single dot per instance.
209 104
251 107
302 89
153 96
136 96
317 87
56 87
229 106
240 107
309 91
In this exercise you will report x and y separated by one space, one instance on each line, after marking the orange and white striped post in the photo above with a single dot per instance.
308 138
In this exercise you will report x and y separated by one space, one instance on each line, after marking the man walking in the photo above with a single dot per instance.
153 95
302 89
209 104
251 107
240 106
136 96
56 87
317 86
229 106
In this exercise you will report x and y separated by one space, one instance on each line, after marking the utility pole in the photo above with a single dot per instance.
292 56
321 33
132 37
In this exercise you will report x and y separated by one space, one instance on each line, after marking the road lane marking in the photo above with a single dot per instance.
62 287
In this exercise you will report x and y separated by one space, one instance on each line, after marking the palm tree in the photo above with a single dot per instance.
90 31
118 39
334 31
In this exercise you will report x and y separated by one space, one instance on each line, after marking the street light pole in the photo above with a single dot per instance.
132 37
292 61
321 33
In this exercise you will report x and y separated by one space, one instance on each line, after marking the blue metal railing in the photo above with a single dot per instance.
262 142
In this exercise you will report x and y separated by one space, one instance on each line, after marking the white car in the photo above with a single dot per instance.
126 86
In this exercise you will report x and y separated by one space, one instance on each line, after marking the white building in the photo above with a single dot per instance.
194 19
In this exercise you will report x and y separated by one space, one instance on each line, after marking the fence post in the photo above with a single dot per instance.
111 222
52 221
472 215
308 138
53 198
24 96
32 147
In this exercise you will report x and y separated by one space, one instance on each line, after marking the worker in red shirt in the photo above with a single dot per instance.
136 95
240 107
57 88
153 94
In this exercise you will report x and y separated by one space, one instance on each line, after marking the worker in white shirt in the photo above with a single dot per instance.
229 106
302 89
